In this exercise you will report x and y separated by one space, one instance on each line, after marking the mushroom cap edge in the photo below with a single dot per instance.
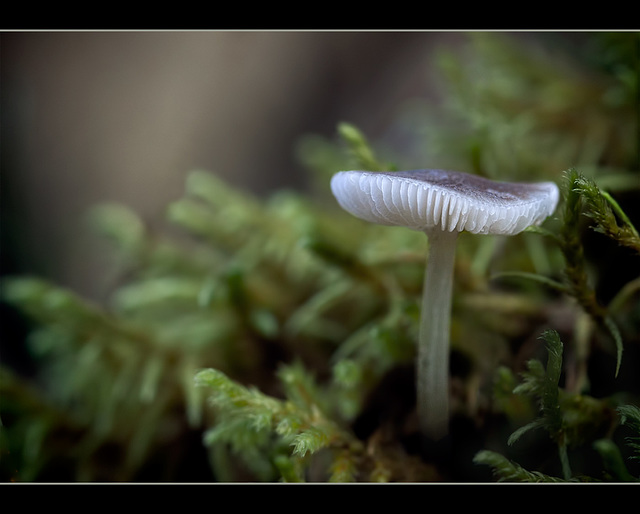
451 200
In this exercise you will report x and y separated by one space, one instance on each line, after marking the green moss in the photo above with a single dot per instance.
280 333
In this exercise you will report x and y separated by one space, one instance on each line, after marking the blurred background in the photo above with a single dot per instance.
124 116
91 117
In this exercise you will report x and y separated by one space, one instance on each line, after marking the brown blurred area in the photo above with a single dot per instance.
89 117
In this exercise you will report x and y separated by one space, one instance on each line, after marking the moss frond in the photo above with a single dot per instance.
630 416
244 416
506 470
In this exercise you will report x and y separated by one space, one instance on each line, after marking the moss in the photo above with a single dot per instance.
281 333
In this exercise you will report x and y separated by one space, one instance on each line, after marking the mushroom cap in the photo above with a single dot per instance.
451 200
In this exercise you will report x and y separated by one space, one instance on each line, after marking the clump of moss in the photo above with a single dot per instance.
277 343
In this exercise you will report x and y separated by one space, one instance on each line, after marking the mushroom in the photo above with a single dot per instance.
442 204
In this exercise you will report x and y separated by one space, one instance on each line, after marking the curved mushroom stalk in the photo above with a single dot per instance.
433 339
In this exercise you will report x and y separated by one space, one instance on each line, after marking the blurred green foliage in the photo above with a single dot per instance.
276 341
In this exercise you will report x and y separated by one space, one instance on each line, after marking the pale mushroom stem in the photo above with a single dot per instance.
433 339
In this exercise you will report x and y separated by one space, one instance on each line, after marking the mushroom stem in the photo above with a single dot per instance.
433 339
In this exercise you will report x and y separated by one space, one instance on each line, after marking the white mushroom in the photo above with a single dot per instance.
441 204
